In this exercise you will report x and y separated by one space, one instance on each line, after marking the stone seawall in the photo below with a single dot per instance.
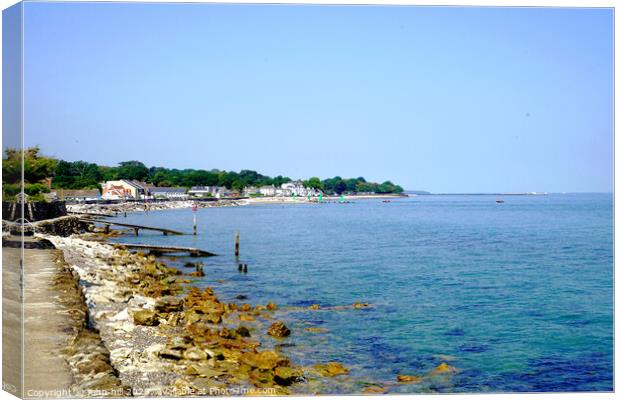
33 211
62 226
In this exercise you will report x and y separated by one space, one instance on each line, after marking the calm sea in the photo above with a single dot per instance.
517 296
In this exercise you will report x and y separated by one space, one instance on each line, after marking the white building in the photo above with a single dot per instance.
251 190
208 191
269 190
170 193
123 189
297 188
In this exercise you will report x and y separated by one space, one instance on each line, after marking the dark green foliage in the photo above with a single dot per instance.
134 170
36 166
85 175
36 169
9 190
77 175
359 185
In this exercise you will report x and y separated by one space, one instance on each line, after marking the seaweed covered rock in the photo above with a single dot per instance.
264 360
331 369
443 368
195 354
374 389
169 304
191 264
358 305
408 379
145 317
243 331
279 330
286 376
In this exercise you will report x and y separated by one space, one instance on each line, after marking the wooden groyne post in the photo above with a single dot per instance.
194 209
237 244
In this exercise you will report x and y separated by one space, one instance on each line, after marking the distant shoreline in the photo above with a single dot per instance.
482 194
303 200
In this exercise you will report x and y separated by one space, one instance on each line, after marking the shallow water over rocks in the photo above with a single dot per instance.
511 297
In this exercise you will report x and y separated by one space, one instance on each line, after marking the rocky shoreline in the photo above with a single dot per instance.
119 208
166 337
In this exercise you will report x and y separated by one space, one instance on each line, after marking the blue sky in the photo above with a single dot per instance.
440 99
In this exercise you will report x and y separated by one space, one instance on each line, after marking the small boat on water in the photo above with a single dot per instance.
387 201
499 201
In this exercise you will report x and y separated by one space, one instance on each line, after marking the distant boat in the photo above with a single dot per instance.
499 201
387 201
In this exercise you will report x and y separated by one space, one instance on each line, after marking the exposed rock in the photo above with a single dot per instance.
204 370
264 360
228 334
195 354
145 317
286 376
191 264
271 306
169 304
331 369
243 331
408 379
359 305
444 368
172 354
279 330
374 389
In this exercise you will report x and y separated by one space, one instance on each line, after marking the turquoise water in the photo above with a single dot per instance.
519 295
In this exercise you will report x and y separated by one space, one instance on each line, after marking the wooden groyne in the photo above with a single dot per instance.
136 228
159 250
93 214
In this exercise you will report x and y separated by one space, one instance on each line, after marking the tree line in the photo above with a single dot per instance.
85 175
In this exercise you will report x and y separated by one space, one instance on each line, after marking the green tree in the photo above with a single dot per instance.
108 173
238 185
351 185
279 180
134 170
314 183
340 187
77 175
36 167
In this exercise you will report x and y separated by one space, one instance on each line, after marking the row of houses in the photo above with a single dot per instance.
125 189
295 188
